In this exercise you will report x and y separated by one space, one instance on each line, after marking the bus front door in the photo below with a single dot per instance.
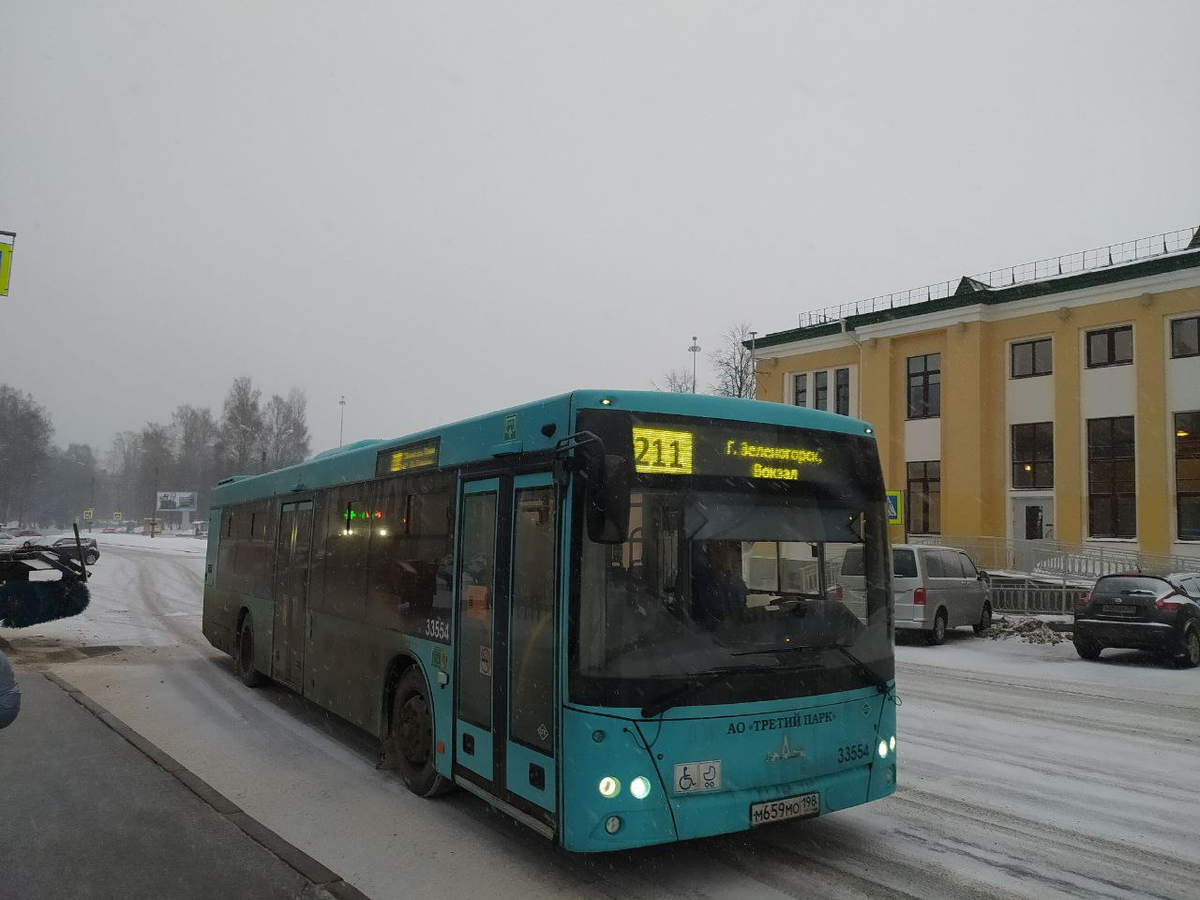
293 555
507 576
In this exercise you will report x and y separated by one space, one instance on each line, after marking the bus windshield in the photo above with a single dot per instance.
740 582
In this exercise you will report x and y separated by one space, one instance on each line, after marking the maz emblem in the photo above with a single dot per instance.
784 752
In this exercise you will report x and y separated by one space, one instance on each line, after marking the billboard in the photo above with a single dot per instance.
176 501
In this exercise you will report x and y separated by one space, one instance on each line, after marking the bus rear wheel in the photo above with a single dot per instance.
411 752
243 662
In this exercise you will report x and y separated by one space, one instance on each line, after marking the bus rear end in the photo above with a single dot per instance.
717 679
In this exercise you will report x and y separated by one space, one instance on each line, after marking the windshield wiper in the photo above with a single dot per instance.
699 681
859 666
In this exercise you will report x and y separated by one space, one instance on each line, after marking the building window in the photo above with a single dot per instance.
801 387
1033 455
1110 347
925 386
1185 337
820 390
1112 503
925 497
841 392
1187 475
1030 358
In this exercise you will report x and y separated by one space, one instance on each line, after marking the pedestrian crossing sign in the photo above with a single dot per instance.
7 239
895 507
88 515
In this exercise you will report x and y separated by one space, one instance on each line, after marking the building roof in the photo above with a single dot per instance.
1155 255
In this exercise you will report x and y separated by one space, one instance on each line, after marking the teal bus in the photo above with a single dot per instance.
613 615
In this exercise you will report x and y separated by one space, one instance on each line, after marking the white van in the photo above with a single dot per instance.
934 588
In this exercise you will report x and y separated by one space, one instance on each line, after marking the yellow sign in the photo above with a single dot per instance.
88 515
118 516
414 458
7 239
657 451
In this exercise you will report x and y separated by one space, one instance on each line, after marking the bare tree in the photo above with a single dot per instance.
121 463
285 433
676 381
733 364
195 434
241 426
25 434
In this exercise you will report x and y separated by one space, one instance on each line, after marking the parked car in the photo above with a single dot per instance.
1141 612
91 552
27 533
934 588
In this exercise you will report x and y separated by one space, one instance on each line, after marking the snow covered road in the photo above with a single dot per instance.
1025 772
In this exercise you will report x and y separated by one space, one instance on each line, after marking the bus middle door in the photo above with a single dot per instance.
505 720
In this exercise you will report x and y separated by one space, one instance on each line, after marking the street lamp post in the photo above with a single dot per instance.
154 505
753 367
694 350
342 422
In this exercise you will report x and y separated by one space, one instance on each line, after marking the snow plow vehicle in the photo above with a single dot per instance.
26 601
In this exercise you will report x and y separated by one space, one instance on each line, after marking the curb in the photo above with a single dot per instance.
288 853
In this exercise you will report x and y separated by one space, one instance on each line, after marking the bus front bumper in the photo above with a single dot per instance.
840 762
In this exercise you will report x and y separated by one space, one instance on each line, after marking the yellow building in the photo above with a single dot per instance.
1059 399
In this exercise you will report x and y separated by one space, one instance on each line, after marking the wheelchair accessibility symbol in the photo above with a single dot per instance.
697 777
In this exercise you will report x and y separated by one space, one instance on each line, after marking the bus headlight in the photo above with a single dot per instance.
892 743
612 824
609 787
640 787
883 749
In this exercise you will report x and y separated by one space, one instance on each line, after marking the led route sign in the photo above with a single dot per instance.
717 450
423 455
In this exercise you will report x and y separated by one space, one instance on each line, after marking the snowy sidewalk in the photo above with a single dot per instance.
89 809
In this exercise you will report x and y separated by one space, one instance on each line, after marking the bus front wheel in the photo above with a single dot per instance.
411 752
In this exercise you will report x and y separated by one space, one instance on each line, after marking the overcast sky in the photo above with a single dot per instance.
441 208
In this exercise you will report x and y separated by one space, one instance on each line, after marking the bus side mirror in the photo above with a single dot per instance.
610 478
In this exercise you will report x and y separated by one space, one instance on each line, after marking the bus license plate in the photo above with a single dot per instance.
801 807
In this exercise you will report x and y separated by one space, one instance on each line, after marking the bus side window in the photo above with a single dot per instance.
411 553
316 576
387 598
430 540
226 556
347 546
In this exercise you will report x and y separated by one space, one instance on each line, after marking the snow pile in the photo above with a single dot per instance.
1031 630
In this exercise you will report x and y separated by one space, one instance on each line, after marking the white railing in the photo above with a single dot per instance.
1068 264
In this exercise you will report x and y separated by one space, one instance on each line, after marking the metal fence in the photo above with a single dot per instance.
1079 563
1034 596
1068 264
1047 576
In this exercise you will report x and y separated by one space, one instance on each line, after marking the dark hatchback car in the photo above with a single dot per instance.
1141 612
66 543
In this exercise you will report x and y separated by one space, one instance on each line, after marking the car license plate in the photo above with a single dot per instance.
800 807
1119 609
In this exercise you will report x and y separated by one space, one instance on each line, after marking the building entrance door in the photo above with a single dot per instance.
1034 522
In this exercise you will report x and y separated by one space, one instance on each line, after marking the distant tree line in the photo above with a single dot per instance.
43 483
